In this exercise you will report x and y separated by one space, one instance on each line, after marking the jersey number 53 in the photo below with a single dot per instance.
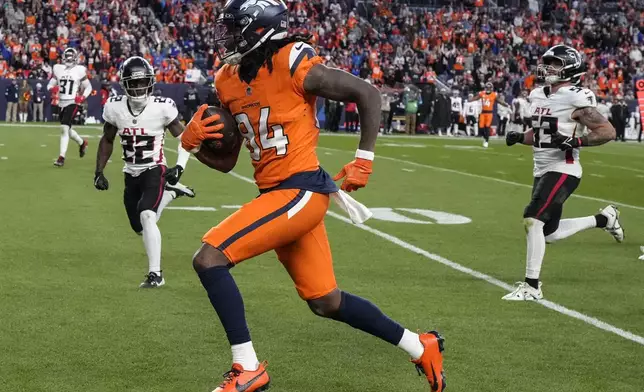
543 127
269 137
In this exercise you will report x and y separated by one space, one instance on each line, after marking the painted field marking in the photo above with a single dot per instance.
408 170
446 170
473 273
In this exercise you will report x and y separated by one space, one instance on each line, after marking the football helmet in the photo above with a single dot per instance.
137 79
244 25
70 57
559 64
489 87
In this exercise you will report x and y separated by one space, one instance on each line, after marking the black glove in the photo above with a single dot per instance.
513 137
100 182
173 175
565 143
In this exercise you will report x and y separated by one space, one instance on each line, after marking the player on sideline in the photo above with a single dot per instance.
141 119
270 84
487 98
70 77
561 113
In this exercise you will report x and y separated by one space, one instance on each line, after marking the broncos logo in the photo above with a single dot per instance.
262 4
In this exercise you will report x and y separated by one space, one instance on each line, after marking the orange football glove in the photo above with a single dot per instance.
200 129
355 174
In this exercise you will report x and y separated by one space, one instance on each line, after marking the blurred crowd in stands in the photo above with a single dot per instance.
389 43
385 41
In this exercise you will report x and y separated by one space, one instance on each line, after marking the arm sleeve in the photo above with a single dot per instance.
88 88
182 155
302 58
52 83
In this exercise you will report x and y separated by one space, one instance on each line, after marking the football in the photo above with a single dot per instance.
231 138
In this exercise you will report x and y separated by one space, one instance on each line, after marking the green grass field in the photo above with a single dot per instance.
73 319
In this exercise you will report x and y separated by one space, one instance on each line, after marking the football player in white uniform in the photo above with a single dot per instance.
71 78
472 110
457 109
564 119
140 119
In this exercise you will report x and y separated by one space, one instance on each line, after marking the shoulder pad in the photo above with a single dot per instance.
298 52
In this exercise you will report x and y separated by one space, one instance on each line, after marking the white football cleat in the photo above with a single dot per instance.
614 227
484 144
642 250
524 292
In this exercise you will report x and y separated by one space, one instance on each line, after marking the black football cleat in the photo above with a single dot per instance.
83 148
152 280
60 162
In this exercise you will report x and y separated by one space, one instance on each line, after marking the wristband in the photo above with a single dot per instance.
363 154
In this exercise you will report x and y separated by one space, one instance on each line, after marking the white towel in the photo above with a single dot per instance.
357 211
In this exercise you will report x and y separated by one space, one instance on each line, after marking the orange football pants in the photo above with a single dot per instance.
485 120
289 221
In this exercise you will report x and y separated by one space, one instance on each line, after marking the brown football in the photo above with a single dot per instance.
231 138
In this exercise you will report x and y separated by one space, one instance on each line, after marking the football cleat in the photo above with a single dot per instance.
240 380
152 280
642 250
485 144
614 226
60 162
83 148
180 189
524 292
431 362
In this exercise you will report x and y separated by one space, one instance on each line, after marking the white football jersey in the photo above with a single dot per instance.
457 104
552 113
473 108
142 135
69 81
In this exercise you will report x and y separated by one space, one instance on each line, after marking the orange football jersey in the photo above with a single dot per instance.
488 100
275 115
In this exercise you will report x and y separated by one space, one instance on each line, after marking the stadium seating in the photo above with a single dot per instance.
390 43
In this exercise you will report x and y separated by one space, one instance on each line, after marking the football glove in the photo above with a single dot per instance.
173 175
100 182
199 129
355 174
79 99
565 143
513 137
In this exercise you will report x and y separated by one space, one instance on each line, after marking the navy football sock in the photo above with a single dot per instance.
227 301
365 316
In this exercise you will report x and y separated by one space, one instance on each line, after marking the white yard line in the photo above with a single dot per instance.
442 169
475 274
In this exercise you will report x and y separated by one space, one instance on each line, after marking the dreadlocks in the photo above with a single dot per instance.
254 61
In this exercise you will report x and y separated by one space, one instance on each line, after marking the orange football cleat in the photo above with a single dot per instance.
240 380
431 362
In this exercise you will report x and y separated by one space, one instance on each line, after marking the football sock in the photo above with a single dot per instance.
64 139
536 247
365 316
168 196
568 227
410 342
225 297
534 283
75 136
151 240
486 134
244 354
600 221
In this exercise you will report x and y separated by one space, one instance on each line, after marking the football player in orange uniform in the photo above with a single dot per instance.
269 83
488 98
